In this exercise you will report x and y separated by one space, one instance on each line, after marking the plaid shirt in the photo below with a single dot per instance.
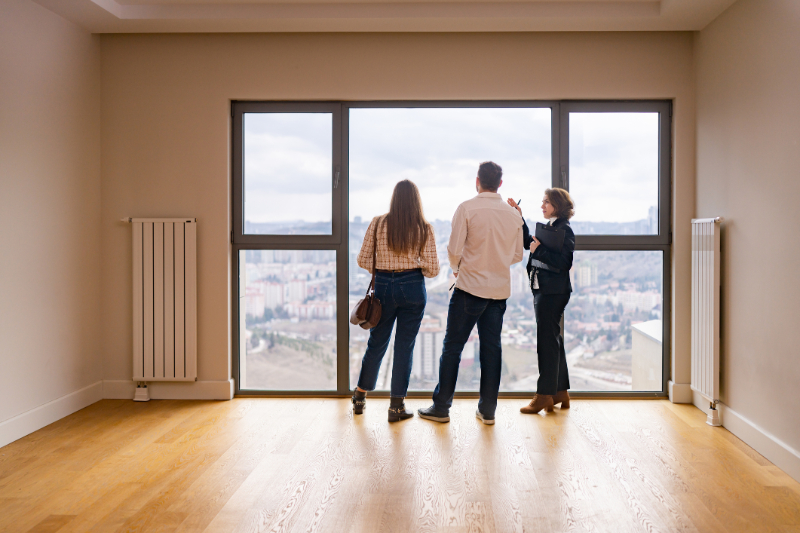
388 260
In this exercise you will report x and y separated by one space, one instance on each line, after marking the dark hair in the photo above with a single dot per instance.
561 202
406 227
490 174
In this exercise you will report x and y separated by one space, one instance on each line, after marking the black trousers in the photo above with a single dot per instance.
553 373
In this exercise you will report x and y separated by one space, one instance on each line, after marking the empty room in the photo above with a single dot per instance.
367 266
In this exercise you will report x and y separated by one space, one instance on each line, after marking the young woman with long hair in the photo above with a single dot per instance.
406 254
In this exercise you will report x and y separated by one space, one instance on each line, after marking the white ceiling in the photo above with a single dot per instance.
158 16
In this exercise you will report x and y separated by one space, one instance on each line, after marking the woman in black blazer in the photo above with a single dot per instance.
548 271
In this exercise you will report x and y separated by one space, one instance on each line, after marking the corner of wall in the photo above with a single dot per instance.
26 423
680 392
762 441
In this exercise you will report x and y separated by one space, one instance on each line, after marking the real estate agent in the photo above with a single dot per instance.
548 271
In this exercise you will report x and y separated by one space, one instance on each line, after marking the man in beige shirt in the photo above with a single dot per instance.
486 239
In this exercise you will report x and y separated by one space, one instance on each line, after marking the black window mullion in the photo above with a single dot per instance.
343 260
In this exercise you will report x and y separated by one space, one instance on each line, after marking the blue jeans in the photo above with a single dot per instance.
464 312
402 296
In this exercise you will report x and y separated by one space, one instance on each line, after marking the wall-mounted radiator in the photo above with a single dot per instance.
705 311
164 299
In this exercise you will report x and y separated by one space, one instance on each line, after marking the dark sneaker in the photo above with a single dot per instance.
430 413
488 420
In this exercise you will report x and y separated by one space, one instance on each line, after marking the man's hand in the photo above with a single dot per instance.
516 206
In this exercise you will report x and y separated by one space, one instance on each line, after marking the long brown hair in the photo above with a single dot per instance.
406 227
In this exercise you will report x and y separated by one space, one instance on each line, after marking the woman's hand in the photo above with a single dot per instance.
534 244
514 204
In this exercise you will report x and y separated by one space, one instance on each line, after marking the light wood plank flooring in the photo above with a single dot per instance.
309 465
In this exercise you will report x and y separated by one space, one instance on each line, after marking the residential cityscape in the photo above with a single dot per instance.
288 305
614 292
288 326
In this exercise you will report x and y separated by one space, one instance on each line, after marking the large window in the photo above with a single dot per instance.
308 178
438 149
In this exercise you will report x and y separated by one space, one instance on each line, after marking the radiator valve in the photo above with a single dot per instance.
713 415
142 393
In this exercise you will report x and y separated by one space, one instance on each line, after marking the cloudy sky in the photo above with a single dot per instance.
287 166
440 150
613 161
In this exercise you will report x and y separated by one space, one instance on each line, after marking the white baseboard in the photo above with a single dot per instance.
39 417
680 392
778 452
171 390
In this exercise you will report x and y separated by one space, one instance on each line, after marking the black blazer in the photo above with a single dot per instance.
554 281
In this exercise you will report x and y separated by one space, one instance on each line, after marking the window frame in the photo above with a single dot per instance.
661 242
238 110
664 110
339 241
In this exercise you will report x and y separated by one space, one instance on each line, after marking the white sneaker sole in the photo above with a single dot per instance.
487 421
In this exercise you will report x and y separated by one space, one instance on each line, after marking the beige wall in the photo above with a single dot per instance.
49 212
748 168
166 130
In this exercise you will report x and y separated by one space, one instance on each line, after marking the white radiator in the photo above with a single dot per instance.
164 299
705 308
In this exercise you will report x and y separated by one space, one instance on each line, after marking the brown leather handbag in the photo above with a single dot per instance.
367 312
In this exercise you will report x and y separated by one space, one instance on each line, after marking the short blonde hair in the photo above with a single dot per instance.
561 202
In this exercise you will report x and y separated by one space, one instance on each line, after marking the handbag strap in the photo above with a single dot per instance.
374 257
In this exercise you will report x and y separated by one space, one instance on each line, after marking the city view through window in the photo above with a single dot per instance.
288 311
613 324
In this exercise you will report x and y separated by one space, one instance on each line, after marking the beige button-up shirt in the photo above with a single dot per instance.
486 240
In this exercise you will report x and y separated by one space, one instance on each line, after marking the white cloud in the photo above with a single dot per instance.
613 165
440 150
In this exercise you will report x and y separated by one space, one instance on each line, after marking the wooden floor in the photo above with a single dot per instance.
310 465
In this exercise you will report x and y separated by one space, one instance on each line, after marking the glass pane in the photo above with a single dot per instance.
613 173
288 173
613 321
439 150
287 325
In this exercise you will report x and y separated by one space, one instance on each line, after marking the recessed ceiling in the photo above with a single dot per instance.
159 16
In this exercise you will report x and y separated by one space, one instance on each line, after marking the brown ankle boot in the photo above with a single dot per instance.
561 397
539 402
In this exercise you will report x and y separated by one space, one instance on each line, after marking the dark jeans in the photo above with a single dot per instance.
553 374
464 312
402 296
